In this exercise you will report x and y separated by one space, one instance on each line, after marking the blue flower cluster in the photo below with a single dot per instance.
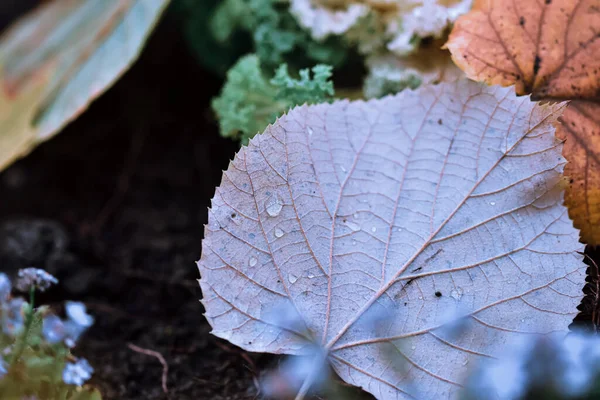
540 367
78 372
68 331
16 315
34 278
11 309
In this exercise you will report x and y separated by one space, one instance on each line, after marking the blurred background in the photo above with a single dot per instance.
114 206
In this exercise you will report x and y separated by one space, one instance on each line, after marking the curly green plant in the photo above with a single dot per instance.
35 356
250 101
219 32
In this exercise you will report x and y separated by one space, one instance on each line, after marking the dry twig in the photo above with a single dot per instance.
160 358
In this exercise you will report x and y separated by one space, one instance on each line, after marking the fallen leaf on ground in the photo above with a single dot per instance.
549 49
80 47
581 128
383 223
546 48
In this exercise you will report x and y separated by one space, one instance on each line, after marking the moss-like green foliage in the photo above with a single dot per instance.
306 89
250 101
220 31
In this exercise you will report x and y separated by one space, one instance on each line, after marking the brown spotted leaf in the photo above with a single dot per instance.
545 47
581 129
378 221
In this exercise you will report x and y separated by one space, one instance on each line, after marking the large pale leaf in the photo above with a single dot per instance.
549 49
80 48
379 221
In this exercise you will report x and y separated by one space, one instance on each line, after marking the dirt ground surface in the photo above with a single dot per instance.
114 206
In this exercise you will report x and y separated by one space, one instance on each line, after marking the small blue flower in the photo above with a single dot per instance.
3 367
34 278
12 316
5 287
287 380
77 313
77 373
56 330
77 323
53 329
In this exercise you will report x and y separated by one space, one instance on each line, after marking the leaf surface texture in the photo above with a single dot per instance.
379 222
581 129
549 49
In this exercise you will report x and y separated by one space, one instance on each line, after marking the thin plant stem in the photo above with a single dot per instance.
22 338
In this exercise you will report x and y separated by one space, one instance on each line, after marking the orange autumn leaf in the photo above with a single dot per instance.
548 48
581 127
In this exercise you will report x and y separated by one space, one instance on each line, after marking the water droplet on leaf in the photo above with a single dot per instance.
273 205
353 226
252 261
292 278
278 233
456 294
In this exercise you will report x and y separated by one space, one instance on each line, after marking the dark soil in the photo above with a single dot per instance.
115 207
